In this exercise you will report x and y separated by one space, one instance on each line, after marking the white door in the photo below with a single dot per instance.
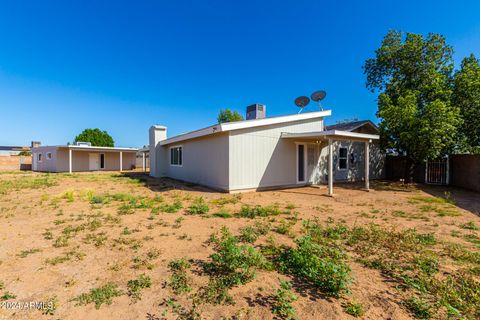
34 160
313 164
94 161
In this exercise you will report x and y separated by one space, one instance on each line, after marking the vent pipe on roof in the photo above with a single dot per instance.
256 111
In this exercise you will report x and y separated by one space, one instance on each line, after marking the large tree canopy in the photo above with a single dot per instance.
96 137
466 95
413 76
226 115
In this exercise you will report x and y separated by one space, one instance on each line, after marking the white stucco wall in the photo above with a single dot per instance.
259 158
205 161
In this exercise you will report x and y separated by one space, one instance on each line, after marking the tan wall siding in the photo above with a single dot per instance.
80 160
205 161
260 158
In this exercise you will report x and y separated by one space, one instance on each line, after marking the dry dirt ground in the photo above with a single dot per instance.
63 235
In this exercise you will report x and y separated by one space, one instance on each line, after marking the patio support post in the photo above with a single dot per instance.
121 161
367 165
330 167
143 161
70 160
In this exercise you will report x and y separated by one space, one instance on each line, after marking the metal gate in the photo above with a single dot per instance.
437 171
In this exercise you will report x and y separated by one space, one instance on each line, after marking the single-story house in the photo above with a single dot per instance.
264 153
15 158
8 151
82 157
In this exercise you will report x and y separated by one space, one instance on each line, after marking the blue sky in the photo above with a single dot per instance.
122 66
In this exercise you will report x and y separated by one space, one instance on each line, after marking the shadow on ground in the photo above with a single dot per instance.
164 184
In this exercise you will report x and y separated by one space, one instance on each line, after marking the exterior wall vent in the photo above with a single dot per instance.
256 111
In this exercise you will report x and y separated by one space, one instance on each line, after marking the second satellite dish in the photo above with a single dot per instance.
302 102
318 96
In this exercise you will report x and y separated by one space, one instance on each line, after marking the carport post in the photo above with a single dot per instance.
69 160
367 165
330 167
143 161
121 161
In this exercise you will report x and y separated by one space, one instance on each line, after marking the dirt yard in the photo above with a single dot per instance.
110 246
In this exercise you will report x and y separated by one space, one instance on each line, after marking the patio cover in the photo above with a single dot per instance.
332 135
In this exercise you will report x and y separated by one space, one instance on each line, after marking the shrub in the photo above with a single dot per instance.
469 225
321 265
284 228
248 234
98 199
282 305
99 296
223 214
354 309
460 294
25 253
51 305
248 211
98 239
135 286
69 195
232 261
125 209
7 295
419 308
227 200
179 280
67 256
216 292
171 208
199 206
232 264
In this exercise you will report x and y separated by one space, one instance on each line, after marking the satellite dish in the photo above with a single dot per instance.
302 102
319 96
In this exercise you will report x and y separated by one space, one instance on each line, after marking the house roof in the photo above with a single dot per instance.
14 148
230 126
350 126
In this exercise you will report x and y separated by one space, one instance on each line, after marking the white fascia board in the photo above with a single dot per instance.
87 148
237 125
192 135
93 148
331 133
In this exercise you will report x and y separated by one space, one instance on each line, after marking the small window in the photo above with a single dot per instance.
176 156
342 158
49 155
39 157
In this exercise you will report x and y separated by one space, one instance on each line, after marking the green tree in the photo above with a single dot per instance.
226 115
466 95
413 76
96 137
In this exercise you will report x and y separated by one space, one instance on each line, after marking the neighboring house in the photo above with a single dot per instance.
82 157
14 158
7 151
262 153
